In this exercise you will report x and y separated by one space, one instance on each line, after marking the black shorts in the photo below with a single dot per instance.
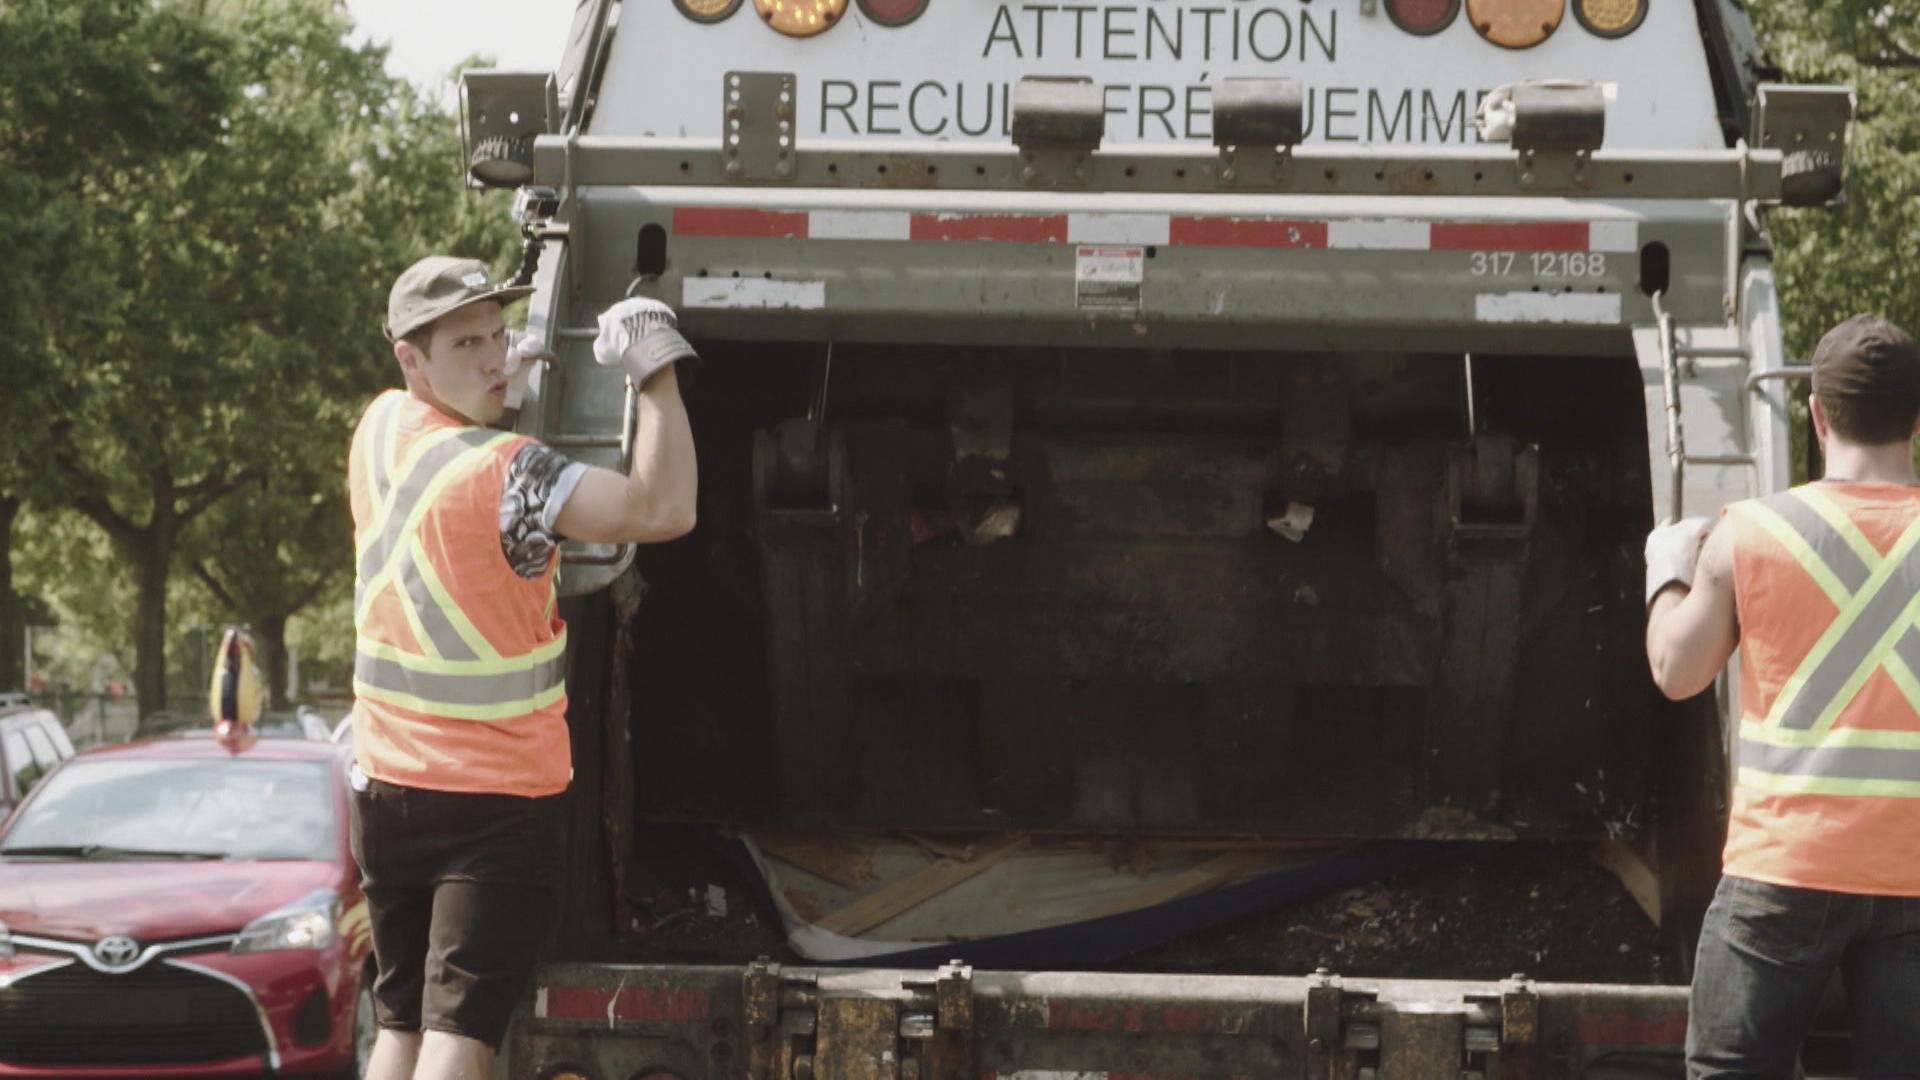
462 891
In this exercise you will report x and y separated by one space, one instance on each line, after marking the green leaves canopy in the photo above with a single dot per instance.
221 193
1864 256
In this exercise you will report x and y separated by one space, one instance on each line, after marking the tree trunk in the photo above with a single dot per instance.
270 647
13 615
150 617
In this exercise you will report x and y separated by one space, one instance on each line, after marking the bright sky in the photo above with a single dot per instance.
428 37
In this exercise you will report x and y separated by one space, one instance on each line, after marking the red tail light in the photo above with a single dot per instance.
893 12
1423 17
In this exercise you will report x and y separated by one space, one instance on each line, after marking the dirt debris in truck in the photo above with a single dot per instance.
1548 910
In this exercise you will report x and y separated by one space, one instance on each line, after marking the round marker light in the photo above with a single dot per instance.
801 18
1423 17
893 12
1516 24
707 11
1610 18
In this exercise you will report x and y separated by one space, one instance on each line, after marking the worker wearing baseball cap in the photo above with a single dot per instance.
1819 587
459 721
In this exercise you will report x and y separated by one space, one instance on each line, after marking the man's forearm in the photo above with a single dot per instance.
664 475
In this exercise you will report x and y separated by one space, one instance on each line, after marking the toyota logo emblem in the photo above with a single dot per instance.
117 951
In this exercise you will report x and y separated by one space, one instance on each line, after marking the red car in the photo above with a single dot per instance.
185 906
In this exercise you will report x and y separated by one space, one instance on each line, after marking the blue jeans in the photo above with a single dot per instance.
1766 955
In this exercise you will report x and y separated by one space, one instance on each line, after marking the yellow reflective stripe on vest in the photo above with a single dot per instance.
1858 641
448 460
467 690
1797 750
1832 761
1787 535
1836 518
1879 650
426 460
1828 785
436 625
457 673
417 614
425 589
381 436
504 710
1853 563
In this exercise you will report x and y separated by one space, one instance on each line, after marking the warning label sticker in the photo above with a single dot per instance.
1108 278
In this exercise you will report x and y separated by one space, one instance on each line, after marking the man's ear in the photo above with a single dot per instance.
409 355
1818 416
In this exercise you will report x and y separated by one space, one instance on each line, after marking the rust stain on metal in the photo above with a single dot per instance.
1171 1019
1623 1029
1520 1017
858 1040
906 173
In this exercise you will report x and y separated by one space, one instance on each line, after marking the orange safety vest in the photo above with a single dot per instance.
459 662
1827 582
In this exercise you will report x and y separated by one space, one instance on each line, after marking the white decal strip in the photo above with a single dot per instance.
1614 236
859 225
1118 228
753 293
1532 307
1380 235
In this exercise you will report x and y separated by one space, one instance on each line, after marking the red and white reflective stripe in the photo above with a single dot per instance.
1175 230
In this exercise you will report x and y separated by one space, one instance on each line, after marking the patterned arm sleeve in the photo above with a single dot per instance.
539 482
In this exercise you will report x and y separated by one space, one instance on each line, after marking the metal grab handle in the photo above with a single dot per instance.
1791 372
1670 385
629 429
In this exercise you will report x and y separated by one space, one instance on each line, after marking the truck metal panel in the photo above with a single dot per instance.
1077 469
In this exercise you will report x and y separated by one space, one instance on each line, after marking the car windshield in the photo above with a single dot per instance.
222 808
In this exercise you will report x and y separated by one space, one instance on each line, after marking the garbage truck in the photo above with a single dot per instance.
1164 463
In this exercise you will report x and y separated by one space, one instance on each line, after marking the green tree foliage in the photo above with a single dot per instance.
266 554
90 92
1866 255
246 186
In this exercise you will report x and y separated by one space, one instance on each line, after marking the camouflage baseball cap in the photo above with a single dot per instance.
438 284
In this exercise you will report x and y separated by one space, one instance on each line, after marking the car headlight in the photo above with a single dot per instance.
306 923
6 942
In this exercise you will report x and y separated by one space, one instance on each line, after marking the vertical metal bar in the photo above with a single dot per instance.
1473 419
1670 385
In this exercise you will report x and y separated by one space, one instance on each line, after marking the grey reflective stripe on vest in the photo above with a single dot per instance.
1840 762
1830 676
457 680
407 499
482 689
439 629
1822 537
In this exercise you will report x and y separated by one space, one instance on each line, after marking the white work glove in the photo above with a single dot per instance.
640 336
523 354
1672 551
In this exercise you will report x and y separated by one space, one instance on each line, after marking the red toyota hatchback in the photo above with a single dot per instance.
185 907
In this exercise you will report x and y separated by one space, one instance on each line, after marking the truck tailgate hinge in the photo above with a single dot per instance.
1352 1035
939 1046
